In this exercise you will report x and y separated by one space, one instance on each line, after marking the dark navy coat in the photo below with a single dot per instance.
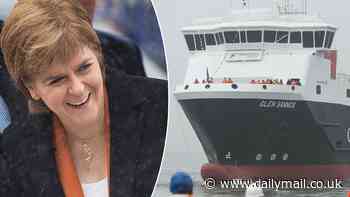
138 115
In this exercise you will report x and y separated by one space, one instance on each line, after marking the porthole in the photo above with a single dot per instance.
258 157
348 134
273 157
234 86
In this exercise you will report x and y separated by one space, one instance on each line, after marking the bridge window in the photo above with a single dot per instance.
308 39
329 39
209 39
199 40
243 37
282 36
254 36
190 42
295 37
231 36
319 37
348 93
269 36
219 38
318 89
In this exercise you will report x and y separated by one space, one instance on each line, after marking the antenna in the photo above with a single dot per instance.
208 75
305 8
245 4
291 7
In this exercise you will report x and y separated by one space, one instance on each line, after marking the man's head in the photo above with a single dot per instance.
181 183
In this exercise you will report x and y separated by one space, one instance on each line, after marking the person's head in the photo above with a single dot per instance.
181 183
53 53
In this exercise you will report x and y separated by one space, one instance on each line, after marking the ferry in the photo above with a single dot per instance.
265 97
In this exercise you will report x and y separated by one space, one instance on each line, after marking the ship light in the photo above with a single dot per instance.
273 157
258 157
234 86
285 156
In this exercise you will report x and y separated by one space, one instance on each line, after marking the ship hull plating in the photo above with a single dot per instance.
267 136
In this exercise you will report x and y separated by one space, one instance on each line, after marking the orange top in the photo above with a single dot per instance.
65 165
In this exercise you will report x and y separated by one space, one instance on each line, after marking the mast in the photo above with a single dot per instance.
291 7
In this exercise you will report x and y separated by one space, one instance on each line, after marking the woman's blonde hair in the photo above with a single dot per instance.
38 33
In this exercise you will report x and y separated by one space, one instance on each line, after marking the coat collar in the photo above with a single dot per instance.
126 114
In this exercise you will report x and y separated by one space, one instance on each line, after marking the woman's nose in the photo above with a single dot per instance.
76 86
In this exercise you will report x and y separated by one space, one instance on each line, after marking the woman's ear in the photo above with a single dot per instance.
33 92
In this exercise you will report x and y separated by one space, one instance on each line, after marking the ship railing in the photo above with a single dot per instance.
230 80
244 87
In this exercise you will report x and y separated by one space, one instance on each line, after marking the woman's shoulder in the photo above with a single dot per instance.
148 97
134 89
21 139
135 81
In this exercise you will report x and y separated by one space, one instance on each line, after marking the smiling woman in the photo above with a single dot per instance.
74 92
100 131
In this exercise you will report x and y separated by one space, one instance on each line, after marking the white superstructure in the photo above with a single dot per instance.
279 54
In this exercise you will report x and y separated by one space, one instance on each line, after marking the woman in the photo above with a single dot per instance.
102 132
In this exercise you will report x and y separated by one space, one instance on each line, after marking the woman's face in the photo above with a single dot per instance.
73 91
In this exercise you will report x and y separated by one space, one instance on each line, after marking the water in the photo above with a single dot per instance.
162 190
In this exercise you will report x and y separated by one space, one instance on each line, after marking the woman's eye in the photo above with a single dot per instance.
84 67
56 80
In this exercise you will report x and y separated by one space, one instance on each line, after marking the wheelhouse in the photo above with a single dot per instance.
319 38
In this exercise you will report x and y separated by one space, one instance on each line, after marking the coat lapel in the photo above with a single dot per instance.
126 121
40 164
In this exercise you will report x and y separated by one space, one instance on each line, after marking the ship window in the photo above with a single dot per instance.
295 37
318 89
243 37
199 40
190 42
209 39
308 39
219 38
347 92
282 36
269 36
202 41
254 36
231 36
329 39
319 37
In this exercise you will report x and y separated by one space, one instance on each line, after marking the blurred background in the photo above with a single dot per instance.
135 19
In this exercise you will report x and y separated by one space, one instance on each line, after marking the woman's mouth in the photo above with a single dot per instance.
80 104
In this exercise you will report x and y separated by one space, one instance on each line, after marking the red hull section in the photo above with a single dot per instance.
290 172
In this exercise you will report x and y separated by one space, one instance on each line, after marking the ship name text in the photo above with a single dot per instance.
277 104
